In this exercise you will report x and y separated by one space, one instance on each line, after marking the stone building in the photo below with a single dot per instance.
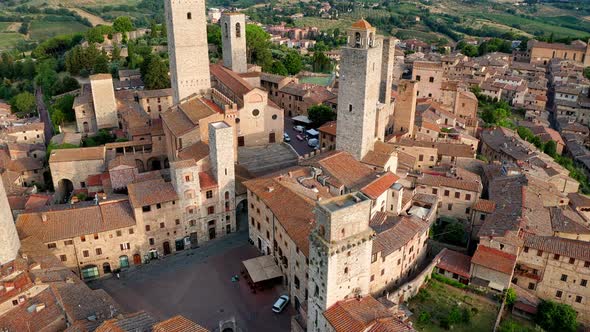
70 168
328 135
429 77
405 108
358 94
96 106
188 49
542 52
30 132
9 242
233 41
155 102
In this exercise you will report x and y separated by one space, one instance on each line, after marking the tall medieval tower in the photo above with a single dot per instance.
405 107
9 242
187 47
233 40
340 249
221 147
360 77
387 70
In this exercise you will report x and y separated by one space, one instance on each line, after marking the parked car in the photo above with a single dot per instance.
313 142
300 129
286 137
280 304
299 137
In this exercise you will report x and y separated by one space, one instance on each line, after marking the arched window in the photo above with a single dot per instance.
371 39
345 270
238 30
227 195
322 230
357 39
189 16
226 29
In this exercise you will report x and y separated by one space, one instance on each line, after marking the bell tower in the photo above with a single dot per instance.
233 41
340 249
358 95
9 242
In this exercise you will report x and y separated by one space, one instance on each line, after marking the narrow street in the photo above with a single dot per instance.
44 115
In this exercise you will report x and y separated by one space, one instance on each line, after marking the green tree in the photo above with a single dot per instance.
258 46
214 34
123 24
320 63
278 68
101 65
116 54
156 74
510 297
587 72
58 118
320 114
525 133
24 103
293 63
550 148
554 316
47 76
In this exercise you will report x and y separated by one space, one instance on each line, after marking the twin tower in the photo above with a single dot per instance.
189 51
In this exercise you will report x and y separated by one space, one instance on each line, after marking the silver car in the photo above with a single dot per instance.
280 304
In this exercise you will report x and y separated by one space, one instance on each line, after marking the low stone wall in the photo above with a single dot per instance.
412 287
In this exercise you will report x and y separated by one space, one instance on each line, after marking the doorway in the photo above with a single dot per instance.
241 141
106 268
271 138
137 259
180 245
194 240
123 262
167 250
211 233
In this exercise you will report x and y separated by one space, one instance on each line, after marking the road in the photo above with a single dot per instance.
44 115
300 146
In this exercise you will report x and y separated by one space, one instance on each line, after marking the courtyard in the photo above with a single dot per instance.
197 284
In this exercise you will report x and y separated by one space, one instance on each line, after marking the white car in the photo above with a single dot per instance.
299 129
280 304
286 137
313 142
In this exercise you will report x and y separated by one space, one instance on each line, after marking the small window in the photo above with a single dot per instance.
447 193
209 194
539 253
131 231
211 210
417 77
63 258
587 264
147 228
431 79
578 299
556 257
564 277
98 251
119 233
158 206
162 225
584 282
152 241
457 194
51 245
350 107
346 270
558 294
274 116
82 238
146 208
189 16
238 30
85 253
434 191
68 242
96 236
572 260
532 285
526 249
255 112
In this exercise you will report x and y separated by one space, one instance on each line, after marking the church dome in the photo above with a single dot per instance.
362 24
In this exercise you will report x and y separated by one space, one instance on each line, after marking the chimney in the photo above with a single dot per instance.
270 189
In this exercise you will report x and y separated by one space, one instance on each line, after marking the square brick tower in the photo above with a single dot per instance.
233 40
221 147
187 47
405 107
340 248
358 95
9 242
103 98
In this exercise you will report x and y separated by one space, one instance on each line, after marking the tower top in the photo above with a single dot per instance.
362 24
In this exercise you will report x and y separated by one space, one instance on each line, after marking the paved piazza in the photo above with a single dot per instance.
197 284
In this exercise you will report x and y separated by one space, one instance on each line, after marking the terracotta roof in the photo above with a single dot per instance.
207 180
567 221
396 231
282 202
454 262
362 24
455 150
185 117
36 201
380 185
178 324
344 169
20 318
359 315
578 200
443 181
328 128
231 80
138 321
494 259
154 93
151 192
77 154
557 245
68 222
484 205
196 151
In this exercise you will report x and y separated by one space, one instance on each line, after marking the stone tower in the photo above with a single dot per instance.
340 249
103 99
387 66
221 147
9 242
233 40
405 107
358 95
187 47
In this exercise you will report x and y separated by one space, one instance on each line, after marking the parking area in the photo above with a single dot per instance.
198 284
300 146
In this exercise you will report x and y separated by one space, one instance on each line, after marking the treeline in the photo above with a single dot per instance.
53 14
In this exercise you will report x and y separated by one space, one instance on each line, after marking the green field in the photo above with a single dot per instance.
9 39
41 30
324 24
436 301
325 81
4 26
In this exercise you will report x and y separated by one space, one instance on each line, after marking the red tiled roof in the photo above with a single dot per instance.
380 185
443 181
556 245
362 24
151 192
455 262
359 315
233 81
207 180
328 128
494 259
484 205
94 180
178 324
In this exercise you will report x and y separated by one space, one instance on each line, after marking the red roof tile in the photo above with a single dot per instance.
207 180
380 185
484 205
455 262
359 315
494 259
178 324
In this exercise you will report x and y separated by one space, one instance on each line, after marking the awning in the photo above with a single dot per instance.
301 118
313 132
262 268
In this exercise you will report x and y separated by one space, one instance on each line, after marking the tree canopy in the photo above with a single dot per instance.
24 104
553 316
320 114
156 74
123 24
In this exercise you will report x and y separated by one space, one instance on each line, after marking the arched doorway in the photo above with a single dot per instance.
167 250
154 164
166 163
123 262
106 268
242 214
86 127
139 165
90 272
64 189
